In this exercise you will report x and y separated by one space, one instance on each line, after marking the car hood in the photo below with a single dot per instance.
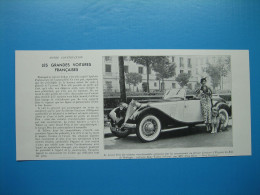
132 107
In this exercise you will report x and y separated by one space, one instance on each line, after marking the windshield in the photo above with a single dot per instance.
175 94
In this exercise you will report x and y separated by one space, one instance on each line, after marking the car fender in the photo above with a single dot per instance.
223 105
163 117
113 116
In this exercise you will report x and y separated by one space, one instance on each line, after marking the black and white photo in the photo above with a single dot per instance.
173 101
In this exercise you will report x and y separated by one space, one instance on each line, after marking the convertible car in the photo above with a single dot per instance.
148 118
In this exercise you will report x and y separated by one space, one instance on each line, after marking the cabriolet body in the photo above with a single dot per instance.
148 118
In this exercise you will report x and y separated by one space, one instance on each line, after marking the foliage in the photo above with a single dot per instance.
164 69
158 76
218 69
133 78
183 79
147 61
224 65
145 87
214 73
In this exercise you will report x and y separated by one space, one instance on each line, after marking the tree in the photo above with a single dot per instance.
144 86
224 67
164 69
122 79
214 73
133 79
219 69
183 79
146 61
159 78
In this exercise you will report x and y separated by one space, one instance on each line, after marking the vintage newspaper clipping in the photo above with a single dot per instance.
130 104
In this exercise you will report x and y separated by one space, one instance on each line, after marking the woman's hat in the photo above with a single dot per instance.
203 79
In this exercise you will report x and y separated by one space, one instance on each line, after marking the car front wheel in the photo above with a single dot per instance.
149 128
119 132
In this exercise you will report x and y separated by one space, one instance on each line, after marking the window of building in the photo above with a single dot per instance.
189 63
181 71
181 62
140 70
155 84
189 72
173 85
126 69
107 58
109 85
108 67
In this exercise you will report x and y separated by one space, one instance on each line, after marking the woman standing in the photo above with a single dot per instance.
205 94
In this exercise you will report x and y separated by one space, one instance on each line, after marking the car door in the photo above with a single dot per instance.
172 108
192 111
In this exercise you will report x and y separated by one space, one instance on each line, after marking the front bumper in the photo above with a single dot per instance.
129 125
124 125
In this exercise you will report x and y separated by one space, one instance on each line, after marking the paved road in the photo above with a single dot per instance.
184 138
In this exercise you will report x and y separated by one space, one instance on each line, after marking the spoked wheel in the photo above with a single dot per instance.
223 114
149 128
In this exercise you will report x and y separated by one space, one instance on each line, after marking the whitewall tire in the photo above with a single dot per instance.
149 128
224 114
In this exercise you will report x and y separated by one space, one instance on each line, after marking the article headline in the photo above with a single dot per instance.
66 67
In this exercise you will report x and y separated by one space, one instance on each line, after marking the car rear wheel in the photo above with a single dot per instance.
223 114
149 128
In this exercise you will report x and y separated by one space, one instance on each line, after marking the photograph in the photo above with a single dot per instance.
176 101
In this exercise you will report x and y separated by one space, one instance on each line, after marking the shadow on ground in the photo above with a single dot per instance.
188 137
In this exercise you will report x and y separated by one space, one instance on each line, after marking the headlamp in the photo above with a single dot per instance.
135 104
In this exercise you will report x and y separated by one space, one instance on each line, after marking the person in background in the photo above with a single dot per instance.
205 94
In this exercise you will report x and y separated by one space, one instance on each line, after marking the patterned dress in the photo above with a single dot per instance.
205 102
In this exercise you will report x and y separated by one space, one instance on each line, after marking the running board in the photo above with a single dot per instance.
178 128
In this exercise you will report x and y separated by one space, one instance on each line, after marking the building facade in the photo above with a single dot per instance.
195 66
